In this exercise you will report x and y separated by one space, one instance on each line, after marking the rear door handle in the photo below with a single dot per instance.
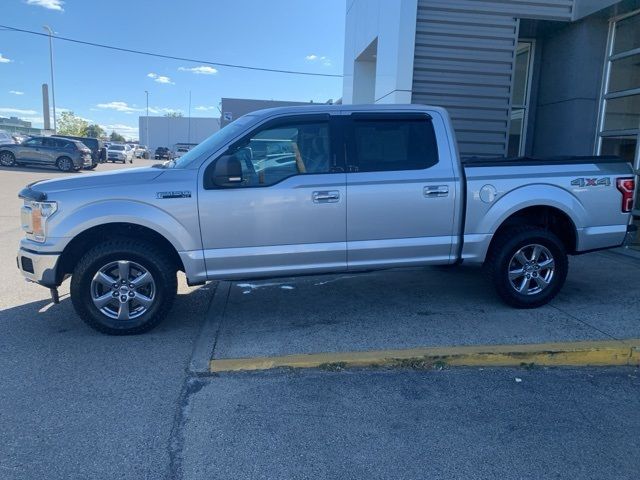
331 196
433 191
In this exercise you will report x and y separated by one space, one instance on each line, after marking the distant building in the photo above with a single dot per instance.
233 108
167 131
15 125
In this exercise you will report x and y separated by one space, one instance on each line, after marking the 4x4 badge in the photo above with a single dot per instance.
591 182
182 194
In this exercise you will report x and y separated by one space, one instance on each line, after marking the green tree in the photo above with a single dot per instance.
94 131
116 137
174 114
69 124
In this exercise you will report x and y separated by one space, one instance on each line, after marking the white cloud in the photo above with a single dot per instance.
128 131
326 61
17 111
16 92
33 120
5 59
201 70
205 108
48 4
119 107
160 78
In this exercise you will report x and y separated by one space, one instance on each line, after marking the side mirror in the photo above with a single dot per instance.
227 171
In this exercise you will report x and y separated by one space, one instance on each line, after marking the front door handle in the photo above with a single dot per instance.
433 191
331 196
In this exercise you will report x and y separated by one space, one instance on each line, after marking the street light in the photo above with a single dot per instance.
53 88
147 120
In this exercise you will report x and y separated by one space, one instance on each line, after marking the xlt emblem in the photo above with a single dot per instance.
182 194
591 182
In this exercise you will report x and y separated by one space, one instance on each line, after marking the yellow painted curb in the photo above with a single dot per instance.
588 353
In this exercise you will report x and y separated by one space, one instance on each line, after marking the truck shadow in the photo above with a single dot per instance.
43 319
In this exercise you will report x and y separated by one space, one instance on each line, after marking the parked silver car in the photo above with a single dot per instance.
65 154
318 189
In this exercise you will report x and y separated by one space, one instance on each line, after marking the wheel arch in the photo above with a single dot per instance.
550 218
82 242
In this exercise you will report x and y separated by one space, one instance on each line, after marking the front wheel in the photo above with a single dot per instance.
528 266
123 287
7 159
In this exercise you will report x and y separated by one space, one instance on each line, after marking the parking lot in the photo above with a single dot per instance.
78 404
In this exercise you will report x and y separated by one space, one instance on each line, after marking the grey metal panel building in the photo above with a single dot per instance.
519 77
233 108
464 61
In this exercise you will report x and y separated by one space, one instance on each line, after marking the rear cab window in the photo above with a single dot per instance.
391 142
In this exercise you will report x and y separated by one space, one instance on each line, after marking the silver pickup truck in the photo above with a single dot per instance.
311 190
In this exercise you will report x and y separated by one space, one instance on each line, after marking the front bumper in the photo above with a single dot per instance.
39 267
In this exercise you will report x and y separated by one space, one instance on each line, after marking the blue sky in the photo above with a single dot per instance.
107 87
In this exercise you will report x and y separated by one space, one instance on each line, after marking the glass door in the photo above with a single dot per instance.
520 94
619 128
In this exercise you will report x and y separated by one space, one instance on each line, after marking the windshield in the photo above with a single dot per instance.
116 147
214 142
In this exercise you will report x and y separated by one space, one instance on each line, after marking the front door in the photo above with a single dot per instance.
30 151
286 214
400 197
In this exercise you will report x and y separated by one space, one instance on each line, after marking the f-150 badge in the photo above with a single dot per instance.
591 182
182 194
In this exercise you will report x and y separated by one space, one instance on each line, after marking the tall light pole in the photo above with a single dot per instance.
189 120
53 88
147 121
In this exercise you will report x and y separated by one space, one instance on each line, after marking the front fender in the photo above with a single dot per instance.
70 224
535 195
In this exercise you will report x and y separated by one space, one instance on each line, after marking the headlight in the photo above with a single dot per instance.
34 217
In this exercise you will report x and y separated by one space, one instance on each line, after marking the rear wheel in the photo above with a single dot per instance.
528 266
123 287
64 164
7 159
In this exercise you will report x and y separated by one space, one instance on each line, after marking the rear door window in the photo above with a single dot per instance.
381 143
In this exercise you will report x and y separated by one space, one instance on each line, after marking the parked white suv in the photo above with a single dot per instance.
119 153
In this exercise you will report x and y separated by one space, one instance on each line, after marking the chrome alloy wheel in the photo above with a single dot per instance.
6 159
123 290
531 269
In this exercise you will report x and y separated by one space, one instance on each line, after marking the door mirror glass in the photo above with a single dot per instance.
227 172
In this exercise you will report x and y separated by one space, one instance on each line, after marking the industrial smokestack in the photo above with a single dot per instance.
45 106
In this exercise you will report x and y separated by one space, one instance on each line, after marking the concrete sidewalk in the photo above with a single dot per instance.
422 307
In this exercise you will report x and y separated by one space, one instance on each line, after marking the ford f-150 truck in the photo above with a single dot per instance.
311 190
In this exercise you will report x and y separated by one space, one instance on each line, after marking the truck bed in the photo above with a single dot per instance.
582 188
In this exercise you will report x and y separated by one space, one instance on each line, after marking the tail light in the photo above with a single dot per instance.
626 187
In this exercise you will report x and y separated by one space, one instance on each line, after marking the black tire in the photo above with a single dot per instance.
502 258
7 159
92 167
65 164
146 255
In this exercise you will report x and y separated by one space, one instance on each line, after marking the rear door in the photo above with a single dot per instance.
52 148
400 197
287 215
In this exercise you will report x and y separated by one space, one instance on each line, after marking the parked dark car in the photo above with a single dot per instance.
98 149
162 153
64 153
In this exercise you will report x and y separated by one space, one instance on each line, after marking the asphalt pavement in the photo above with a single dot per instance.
78 404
